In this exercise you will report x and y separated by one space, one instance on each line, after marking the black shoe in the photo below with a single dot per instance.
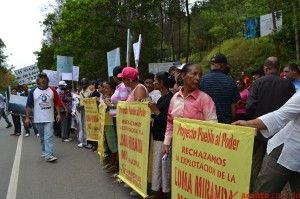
89 146
18 134
8 126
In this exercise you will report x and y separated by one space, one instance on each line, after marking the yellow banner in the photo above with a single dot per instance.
133 128
210 160
102 112
91 119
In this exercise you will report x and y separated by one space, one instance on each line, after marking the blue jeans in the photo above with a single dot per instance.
46 136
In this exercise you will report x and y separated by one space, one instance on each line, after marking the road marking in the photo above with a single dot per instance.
13 182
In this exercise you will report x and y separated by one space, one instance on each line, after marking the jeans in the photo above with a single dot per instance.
46 136
2 114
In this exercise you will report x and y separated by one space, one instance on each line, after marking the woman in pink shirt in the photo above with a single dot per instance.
129 77
240 108
188 102
138 92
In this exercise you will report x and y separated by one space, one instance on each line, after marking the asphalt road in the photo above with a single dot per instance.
76 174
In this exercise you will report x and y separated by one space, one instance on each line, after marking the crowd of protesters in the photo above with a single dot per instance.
268 99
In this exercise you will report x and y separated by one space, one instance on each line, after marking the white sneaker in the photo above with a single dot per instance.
52 159
66 140
80 145
70 139
37 135
27 135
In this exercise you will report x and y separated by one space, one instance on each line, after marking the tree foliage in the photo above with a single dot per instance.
88 29
6 78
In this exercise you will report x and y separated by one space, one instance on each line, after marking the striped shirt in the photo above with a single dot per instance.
121 94
223 91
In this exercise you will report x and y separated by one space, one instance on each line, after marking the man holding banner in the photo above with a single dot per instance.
42 101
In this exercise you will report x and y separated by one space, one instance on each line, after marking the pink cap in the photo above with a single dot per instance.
129 73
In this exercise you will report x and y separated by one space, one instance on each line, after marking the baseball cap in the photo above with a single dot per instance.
42 75
219 59
62 83
129 73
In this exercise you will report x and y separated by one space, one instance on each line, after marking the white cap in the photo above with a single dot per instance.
62 83
181 66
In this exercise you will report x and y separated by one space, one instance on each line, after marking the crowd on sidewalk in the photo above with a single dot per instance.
268 98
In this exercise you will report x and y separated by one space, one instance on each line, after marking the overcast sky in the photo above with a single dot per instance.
21 31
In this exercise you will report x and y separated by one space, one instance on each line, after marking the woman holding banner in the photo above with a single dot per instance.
188 102
138 92
109 130
129 77
163 82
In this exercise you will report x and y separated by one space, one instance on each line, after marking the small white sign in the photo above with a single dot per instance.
71 76
113 60
137 50
266 23
53 77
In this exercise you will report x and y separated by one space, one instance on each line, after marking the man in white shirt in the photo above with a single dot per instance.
281 164
2 111
42 101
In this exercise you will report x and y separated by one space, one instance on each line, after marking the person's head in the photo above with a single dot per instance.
148 81
99 86
191 74
116 71
240 84
257 74
219 61
172 70
24 88
271 66
108 88
163 80
84 83
14 91
92 86
42 81
129 76
291 71
62 85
